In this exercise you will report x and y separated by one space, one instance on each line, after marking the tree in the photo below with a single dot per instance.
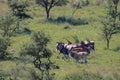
4 43
19 8
38 49
85 2
111 23
9 24
49 4
76 4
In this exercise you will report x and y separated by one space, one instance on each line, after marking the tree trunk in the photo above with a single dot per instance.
108 43
73 12
48 14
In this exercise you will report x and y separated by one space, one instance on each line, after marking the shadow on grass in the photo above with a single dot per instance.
69 20
117 49
27 31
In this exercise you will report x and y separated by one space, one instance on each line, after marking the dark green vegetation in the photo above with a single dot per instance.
111 25
35 39
18 7
49 4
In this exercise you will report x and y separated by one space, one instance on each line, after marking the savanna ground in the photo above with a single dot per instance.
103 62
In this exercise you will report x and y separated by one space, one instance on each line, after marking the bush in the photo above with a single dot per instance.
2 78
9 24
4 75
85 2
38 44
38 49
61 19
4 43
19 8
28 49
27 31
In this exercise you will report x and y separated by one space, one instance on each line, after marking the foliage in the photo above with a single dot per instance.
38 49
104 61
2 78
28 49
19 8
76 4
85 2
111 23
27 31
37 45
9 24
49 4
41 40
4 43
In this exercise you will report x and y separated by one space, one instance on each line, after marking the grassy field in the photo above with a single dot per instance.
103 62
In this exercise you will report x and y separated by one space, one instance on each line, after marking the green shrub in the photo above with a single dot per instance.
38 49
28 49
38 42
19 8
4 43
27 30
2 78
9 24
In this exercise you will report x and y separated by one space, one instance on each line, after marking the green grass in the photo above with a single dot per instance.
104 62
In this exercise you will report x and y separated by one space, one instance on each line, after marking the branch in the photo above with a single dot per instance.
45 3
119 15
51 4
55 2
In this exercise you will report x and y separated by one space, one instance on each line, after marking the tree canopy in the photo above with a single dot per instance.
111 22
49 4
19 8
9 24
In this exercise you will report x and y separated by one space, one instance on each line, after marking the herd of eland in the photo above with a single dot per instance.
76 51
